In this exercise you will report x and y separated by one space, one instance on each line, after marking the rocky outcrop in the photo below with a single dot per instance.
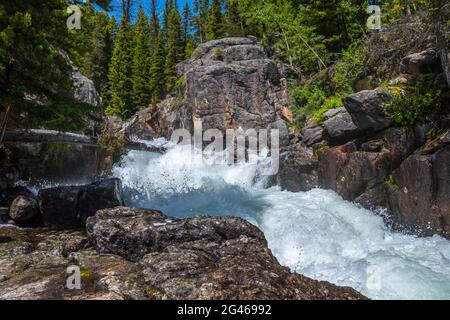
37 161
423 205
202 257
151 257
357 167
229 84
68 207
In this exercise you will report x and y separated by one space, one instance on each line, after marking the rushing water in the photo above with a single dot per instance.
315 233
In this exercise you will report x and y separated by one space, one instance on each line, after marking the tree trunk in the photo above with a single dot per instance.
4 122
442 41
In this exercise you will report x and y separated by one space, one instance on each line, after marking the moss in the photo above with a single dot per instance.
86 274
218 54
320 149
155 293
390 181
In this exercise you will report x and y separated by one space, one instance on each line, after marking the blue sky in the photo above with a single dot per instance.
146 3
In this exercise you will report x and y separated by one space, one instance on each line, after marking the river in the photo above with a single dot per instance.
314 233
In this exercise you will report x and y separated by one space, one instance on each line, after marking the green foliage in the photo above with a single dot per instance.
349 69
32 69
415 102
332 102
141 73
157 69
327 90
218 54
215 22
390 181
120 73
395 9
175 50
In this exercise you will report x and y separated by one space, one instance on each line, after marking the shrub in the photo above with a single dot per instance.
412 103
112 142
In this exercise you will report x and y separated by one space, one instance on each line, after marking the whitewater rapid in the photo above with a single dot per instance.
315 233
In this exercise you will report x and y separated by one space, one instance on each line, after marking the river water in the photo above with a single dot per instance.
315 233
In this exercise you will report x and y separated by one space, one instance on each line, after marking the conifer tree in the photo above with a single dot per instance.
199 19
154 22
157 69
141 61
98 57
186 23
175 49
120 72
234 23
215 25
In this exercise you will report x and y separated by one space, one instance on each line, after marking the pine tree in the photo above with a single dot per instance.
157 78
215 25
141 61
189 48
98 56
120 72
199 19
154 22
170 4
175 49
186 23
234 23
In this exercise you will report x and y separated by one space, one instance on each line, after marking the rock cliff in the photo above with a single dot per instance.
227 84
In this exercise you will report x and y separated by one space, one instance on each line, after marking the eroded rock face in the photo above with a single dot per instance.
420 195
229 84
198 258
357 167
366 109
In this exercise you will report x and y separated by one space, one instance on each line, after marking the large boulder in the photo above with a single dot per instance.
68 207
202 257
8 194
99 195
132 233
298 169
24 210
59 207
366 109
339 127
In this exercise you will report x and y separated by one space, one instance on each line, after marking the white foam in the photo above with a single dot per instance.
315 233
